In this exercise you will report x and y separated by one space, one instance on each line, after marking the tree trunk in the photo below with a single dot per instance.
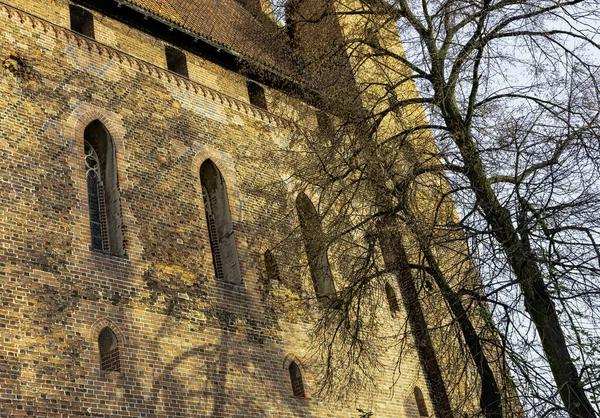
396 262
536 298
490 399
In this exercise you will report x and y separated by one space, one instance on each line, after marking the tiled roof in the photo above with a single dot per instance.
226 23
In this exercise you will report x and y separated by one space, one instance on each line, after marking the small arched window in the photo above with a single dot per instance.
372 38
391 298
296 379
315 246
325 126
271 267
109 351
220 225
103 191
420 400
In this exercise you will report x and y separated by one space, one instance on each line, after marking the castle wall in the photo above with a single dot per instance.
189 345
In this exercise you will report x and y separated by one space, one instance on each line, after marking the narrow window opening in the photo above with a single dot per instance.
296 378
421 402
315 245
176 61
325 126
109 351
271 267
392 300
103 192
372 39
215 246
96 201
256 94
392 98
82 21
219 223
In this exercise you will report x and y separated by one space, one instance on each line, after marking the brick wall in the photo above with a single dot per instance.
189 345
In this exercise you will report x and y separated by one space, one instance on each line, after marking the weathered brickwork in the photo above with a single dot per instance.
188 345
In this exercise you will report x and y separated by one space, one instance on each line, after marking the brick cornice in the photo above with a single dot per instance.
146 67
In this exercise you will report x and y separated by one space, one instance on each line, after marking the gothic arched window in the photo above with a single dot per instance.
315 246
103 191
420 400
296 379
220 225
391 298
109 351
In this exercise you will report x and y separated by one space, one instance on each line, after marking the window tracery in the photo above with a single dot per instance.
96 199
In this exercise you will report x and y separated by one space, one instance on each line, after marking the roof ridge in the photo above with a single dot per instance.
236 33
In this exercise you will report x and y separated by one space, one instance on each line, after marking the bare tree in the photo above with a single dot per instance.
366 199
510 93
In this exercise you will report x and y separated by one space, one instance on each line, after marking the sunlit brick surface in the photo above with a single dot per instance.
188 345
